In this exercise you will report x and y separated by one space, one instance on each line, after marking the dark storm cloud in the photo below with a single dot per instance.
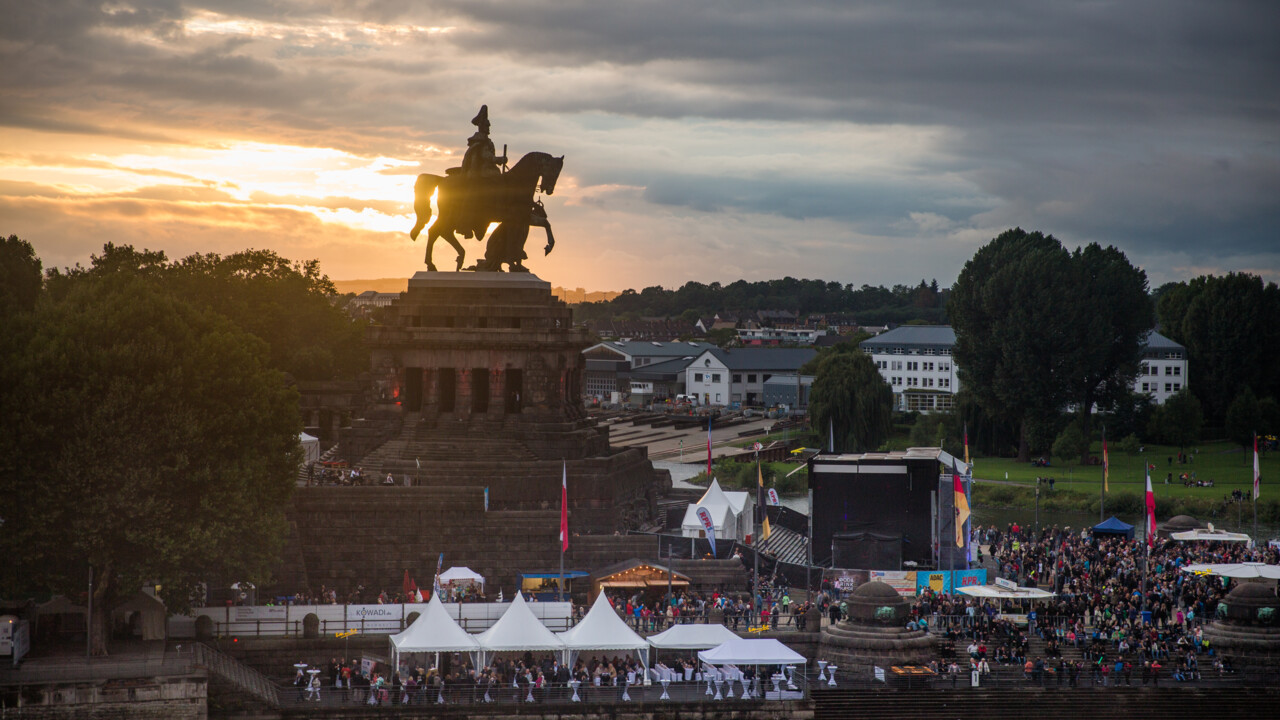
1153 124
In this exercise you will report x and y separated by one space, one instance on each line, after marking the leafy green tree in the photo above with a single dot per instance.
1111 314
20 279
1130 445
851 398
939 429
148 442
1012 345
1244 418
1071 444
1178 421
1228 325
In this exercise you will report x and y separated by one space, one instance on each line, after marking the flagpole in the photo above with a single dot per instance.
1102 491
1257 476
755 585
564 530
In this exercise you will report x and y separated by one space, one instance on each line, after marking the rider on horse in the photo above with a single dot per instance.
480 165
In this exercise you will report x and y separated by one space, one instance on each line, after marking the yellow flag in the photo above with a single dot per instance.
765 530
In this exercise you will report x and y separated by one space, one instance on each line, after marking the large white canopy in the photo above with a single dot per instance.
310 448
435 631
463 574
1238 571
692 637
1210 533
751 651
997 592
518 629
602 629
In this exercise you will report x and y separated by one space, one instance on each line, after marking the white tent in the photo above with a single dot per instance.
602 629
1210 533
310 448
998 593
461 574
1238 571
731 514
751 651
435 631
692 637
518 629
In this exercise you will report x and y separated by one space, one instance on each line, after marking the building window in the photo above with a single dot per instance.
1177 387
717 397
751 378
697 377
1145 387
737 378
715 377
1168 387
1177 370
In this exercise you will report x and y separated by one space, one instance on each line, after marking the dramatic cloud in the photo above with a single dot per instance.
860 142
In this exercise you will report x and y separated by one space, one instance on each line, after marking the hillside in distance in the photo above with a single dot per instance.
388 285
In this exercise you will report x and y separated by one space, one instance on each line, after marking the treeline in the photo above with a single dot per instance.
1230 326
871 305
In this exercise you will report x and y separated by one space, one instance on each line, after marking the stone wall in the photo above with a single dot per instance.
163 698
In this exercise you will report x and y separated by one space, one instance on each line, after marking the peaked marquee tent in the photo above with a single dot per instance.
1114 526
692 637
731 514
602 629
434 631
310 448
517 629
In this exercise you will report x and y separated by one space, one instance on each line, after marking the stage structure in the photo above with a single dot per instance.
886 511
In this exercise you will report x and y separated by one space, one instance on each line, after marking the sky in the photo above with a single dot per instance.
714 140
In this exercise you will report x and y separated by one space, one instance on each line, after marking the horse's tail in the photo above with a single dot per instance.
422 191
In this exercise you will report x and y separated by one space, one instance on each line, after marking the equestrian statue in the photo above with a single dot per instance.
482 192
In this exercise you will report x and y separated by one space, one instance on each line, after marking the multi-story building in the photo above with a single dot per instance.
736 377
917 363
609 364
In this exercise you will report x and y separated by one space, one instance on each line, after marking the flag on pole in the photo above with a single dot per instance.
407 585
966 442
435 584
564 508
765 530
708 526
962 508
1257 471
708 447
1106 462
1151 512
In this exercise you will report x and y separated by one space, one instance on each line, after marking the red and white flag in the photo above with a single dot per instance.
1257 470
1151 512
564 508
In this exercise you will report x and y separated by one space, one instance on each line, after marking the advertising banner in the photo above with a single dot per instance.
904 581
941 580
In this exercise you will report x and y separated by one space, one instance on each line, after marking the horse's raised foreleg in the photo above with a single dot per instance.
422 192
540 220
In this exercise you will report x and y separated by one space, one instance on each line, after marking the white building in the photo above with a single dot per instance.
916 361
731 378
609 364
1164 368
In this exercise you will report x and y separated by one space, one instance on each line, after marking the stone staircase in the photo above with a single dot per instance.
422 443
242 678
786 546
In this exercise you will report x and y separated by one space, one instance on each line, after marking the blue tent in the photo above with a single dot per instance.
1112 526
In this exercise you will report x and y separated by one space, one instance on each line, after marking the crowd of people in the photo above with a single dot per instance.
1124 607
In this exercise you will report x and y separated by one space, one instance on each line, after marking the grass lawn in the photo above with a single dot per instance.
1226 464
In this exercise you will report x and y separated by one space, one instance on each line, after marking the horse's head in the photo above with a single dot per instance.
551 173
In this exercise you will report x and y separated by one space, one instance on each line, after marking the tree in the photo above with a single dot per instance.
851 398
1008 308
19 275
1228 326
150 443
1070 444
1178 421
1244 418
1130 444
1111 316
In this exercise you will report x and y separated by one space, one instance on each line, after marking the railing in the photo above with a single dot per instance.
694 690
294 628
240 675
174 662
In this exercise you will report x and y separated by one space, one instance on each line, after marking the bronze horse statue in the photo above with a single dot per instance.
468 206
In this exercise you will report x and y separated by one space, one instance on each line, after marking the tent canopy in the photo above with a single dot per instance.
1210 534
435 631
602 629
310 448
1238 571
751 651
518 629
728 511
152 614
461 574
997 592
692 637
1113 526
